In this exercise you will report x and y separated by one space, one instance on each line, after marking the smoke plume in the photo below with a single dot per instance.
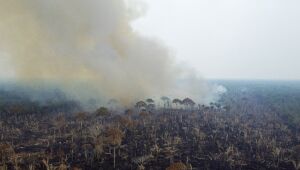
91 43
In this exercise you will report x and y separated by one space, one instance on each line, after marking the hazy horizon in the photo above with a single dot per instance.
228 39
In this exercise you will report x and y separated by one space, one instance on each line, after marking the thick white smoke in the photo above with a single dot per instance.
89 42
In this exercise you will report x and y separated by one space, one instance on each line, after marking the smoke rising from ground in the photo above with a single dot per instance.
90 43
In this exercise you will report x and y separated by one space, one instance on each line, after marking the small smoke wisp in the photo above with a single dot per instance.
90 43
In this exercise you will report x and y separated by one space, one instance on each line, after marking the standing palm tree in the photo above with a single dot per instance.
149 101
141 105
189 103
103 112
151 105
98 147
166 101
114 137
177 102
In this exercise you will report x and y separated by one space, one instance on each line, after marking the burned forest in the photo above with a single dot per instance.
245 129
149 85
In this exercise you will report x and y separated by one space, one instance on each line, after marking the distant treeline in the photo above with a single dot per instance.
281 97
21 102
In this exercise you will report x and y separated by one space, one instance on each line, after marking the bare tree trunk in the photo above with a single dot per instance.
114 157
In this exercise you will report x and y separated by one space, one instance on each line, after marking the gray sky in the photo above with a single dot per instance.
248 39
